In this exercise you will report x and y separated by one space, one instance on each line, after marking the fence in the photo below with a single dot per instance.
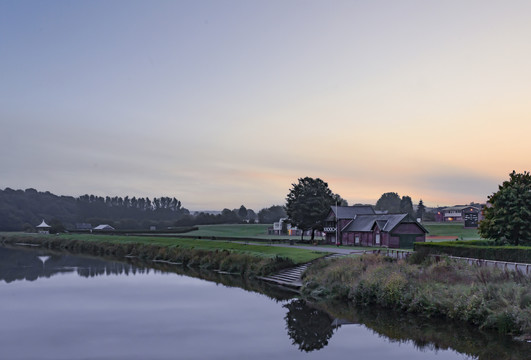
397 254
505 265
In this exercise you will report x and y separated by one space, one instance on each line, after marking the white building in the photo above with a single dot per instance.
104 227
43 228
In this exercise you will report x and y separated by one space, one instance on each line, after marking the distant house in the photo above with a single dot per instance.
43 228
469 215
103 227
83 226
289 230
277 227
362 226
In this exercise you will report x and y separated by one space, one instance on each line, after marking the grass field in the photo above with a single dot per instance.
259 231
236 230
297 255
453 230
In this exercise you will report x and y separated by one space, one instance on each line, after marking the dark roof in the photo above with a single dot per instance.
366 222
350 212
381 223
386 222
459 208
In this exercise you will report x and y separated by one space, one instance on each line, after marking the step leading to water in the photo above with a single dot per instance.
292 277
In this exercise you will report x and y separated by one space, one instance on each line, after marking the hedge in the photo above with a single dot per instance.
481 249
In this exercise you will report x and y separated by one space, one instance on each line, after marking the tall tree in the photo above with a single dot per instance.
406 205
308 204
507 217
242 212
389 202
421 210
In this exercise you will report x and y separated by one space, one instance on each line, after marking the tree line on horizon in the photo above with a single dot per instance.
22 210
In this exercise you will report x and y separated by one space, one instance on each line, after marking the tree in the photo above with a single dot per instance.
507 217
271 214
242 212
389 202
421 210
56 226
251 215
308 204
229 217
406 205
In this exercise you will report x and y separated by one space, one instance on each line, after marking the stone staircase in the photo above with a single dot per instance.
292 277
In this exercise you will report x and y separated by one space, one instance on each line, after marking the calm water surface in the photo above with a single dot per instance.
56 306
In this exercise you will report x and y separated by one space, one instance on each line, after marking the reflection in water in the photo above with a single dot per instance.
309 327
30 264
430 334
43 259
23 263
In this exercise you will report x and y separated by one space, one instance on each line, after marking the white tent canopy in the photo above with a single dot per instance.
43 225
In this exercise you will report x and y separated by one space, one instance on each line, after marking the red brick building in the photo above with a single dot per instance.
362 226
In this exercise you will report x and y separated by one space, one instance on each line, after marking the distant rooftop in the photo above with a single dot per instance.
350 212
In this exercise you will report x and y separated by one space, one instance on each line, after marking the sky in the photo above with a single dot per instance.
223 103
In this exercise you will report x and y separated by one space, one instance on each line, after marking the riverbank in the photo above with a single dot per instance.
484 297
237 258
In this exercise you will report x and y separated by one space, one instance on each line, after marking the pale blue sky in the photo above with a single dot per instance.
223 103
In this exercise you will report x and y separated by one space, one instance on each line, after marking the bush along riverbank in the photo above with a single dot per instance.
485 297
233 262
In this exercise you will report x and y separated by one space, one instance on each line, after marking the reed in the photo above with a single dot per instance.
485 297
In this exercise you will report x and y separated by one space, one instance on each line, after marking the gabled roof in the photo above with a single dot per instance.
349 212
104 227
381 224
459 208
386 222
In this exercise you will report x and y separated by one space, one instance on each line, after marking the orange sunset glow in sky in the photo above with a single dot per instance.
223 103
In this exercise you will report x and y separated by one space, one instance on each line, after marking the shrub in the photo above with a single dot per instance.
486 297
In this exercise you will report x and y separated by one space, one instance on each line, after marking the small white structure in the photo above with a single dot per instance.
103 227
43 228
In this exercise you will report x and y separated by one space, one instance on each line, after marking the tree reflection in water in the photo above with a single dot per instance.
308 327
311 327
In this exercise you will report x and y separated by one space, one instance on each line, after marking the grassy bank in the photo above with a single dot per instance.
485 297
249 260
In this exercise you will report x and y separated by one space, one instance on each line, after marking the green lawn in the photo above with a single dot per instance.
236 230
297 255
258 231
454 230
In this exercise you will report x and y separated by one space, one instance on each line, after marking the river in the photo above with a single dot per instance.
61 306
